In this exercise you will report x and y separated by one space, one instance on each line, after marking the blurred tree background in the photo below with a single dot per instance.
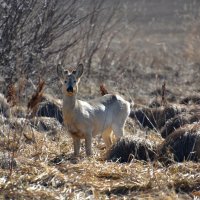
130 45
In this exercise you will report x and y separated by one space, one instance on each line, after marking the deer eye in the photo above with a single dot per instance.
65 81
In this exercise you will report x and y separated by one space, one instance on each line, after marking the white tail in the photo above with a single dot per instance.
105 115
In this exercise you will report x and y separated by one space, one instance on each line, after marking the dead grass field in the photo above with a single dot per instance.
45 170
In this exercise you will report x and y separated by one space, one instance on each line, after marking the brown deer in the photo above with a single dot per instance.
105 115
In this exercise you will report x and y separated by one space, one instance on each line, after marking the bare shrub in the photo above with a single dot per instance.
130 148
154 118
192 99
181 145
30 31
178 121
49 108
36 98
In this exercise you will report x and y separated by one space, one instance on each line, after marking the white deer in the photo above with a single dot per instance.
84 119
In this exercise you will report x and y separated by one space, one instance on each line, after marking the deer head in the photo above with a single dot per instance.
70 79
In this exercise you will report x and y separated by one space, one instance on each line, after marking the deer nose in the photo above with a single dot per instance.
70 89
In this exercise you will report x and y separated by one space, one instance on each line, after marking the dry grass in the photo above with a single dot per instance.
45 169
11 94
36 98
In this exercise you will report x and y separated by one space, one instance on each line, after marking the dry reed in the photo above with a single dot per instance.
36 98
11 94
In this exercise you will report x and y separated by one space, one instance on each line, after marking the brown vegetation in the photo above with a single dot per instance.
127 149
11 95
192 99
178 121
45 157
103 90
36 98
182 145
49 107
154 118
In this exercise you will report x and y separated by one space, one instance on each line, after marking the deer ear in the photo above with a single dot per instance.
79 70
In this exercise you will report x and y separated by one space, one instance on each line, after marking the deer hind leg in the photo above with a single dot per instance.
77 143
107 137
118 131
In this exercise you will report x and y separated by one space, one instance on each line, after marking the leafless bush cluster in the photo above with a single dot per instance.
33 33
28 28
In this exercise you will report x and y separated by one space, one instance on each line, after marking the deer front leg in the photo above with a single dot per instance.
88 145
76 142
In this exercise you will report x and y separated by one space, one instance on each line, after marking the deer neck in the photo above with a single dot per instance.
68 111
69 102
